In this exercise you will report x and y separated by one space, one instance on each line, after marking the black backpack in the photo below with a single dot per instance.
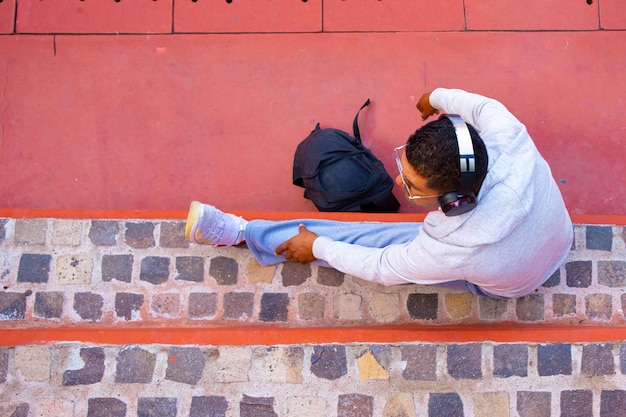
338 173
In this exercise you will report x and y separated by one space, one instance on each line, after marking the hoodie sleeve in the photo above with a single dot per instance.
422 261
488 116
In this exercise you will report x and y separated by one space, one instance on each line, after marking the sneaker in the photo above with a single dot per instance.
211 226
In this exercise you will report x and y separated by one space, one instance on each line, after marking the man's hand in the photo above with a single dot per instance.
300 247
423 105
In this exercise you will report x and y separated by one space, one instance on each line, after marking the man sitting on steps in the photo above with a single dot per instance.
499 227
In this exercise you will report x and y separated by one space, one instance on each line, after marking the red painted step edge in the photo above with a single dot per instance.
613 219
267 336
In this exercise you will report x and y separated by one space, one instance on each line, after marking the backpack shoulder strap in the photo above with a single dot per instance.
355 123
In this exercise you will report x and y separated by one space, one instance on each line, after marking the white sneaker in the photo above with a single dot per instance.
211 226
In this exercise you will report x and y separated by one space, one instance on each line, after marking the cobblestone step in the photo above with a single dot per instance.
409 379
139 279
60 272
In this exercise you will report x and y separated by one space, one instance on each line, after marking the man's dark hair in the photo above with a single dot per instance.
433 151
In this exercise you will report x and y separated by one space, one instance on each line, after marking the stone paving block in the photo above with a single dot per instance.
597 359
274 307
534 404
510 360
399 405
225 270
383 353
3 230
12 305
458 305
490 404
157 407
612 403
190 268
231 366
92 371
208 406
67 232
166 305
104 232
238 305
369 366
491 308
311 306
421 362
330 277
31 232
128 305
139 235
622 358
348 307
4 365
385 308
49 304
355 405
423 306
202 305
155 269
577 403
257 407
578 274
306 406
329 361
599 306
106 407
530 307
134 365
554 359
117 267
33 362
612 273
88 305
185 365
465 361
445 404
282 364
563 305
599 238
173 235
5 269
34 268
74 269
260 274
294 274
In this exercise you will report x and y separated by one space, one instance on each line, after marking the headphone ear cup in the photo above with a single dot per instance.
448 198
453 205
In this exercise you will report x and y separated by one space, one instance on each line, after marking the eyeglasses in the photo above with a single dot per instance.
397 153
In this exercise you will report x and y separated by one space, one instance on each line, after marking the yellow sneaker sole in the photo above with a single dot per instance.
195 209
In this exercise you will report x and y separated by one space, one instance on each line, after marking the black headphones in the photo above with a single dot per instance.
458 202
